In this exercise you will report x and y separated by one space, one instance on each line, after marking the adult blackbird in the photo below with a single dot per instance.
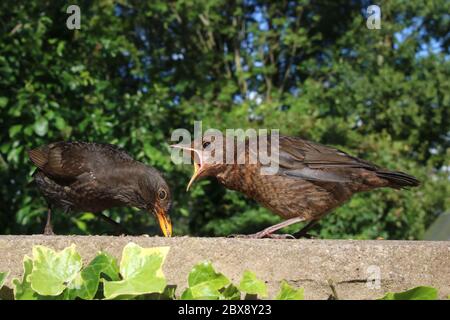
83 176
311 180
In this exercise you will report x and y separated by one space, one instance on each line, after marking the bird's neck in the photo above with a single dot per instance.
239 177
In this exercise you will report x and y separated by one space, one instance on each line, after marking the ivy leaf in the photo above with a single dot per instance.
53 271
204 283
289 293
231 293
202 291
22 289
141 271
251 285
418 293
3 276
85 285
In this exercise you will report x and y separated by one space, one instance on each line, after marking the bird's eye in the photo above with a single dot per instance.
162 194
206 144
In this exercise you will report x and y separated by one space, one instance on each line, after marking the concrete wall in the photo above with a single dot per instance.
303 263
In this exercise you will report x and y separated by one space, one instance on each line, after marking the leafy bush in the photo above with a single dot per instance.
61 275
137 70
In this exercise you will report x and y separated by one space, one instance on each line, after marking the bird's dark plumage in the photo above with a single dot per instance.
311 180
82 176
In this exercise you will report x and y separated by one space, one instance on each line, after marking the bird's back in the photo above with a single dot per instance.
82 174
67 160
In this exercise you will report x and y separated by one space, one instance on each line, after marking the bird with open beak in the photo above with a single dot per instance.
310 181
93 177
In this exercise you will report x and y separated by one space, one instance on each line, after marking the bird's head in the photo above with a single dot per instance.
154 197
208 155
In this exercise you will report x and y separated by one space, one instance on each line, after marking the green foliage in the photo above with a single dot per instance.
22 288
289 293
418 293
139 69
3 276
59 275
141 271
251 285
204 283
53 271
86 284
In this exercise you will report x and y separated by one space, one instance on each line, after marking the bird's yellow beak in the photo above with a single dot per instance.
197 170
164 221
197 163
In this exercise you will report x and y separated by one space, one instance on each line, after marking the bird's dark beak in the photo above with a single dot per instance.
164 221
197 162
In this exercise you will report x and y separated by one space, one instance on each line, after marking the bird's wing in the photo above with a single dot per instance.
69 160
312 161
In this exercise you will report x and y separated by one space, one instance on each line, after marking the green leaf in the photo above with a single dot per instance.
85 285
3 102
14 130
231 293
289 293
141 271
3 276
204 283
418 293
53 271
251 285
22 289
41 127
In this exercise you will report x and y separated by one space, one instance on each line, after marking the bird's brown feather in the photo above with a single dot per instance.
39 156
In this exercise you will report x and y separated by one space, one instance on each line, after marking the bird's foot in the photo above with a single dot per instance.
261 235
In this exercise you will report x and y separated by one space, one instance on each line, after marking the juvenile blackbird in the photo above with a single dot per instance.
311 180
82 176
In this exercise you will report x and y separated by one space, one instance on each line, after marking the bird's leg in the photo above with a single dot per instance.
119 228
303 233
269 232
48 230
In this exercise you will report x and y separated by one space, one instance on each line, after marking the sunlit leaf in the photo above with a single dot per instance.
41 127
251 285
289 293
86 284
22 288
204 283
53 271
141 271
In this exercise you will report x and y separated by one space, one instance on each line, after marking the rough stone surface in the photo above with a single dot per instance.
303 263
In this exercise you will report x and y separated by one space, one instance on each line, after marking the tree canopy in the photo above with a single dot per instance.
137 70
